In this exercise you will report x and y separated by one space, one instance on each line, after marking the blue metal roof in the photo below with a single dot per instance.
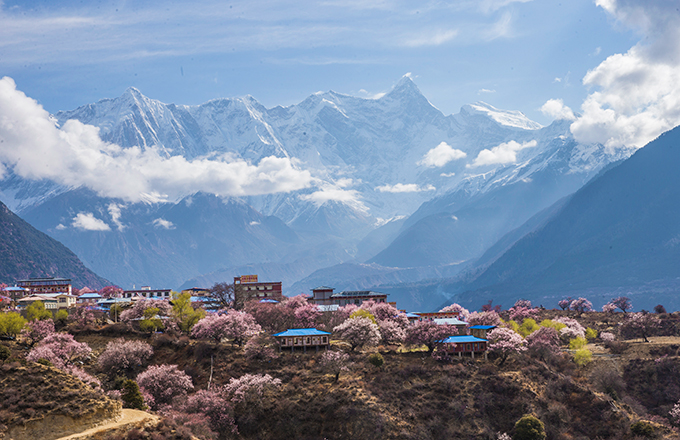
90 295
302 332
483 327
269 301
356 293
461 339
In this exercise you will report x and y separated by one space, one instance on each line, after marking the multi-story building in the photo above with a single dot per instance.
247 287
324 296
37 286
147 292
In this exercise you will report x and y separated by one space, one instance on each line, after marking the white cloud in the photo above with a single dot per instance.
441 155
447 174
60 227
435 38
88 222
254 223
336 192
114 212
75 155
404 188
637 94
485 91
502 154
162 223
556 109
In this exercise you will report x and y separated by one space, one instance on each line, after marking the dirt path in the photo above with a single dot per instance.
128 417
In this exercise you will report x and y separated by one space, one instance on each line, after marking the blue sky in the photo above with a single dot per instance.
512 54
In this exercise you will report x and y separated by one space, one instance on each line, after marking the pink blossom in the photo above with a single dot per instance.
110 292
505 342
675 414
249 387
235 325
358 332
622 302
463 313
137 310
564 303
484 318
124 355
83 376
609 308
520 313
307 315
60 349
581 305
334 362
392 332
36 331
607 337
212 405
428 333
544 341
163 383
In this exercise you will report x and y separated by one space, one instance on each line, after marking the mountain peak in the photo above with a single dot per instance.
405 86
508 118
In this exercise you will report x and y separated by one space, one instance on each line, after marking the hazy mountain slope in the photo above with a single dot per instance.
26 252
620 233
462 224
165 244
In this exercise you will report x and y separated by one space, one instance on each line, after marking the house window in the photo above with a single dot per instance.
468 347
324 339
308 341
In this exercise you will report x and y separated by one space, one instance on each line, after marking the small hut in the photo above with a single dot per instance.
303 338
463 344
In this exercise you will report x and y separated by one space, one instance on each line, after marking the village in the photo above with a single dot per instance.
161 353
58 294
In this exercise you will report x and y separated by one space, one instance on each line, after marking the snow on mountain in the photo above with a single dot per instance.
372 160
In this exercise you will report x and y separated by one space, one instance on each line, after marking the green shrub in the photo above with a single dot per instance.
642 428
529 428
363 313
45 362
583 357
4 353
37 311
132 397
61 317
376 359
11 323
591 333
577 343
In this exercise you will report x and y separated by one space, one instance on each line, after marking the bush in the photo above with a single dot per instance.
131 396
11 324
37 311
5 353
642 428
577 343
659 309
583 357
376 359
529 428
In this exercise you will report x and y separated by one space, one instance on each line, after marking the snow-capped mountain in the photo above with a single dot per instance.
376 163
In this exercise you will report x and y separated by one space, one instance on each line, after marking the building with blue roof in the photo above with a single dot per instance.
462 344
303 338
480 331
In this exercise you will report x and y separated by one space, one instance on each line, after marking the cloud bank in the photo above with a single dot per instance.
502 154
441 155
74 155
405 188
636 95
88 222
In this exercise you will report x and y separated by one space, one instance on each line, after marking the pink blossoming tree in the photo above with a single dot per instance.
162 383
428 333
124 356
505 342
60 349
358 332
36 331
235 325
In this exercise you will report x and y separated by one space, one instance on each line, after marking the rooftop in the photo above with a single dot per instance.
459 339
483 327
302 332
354 293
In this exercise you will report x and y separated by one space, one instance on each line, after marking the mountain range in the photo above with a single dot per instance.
26 252
421 194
